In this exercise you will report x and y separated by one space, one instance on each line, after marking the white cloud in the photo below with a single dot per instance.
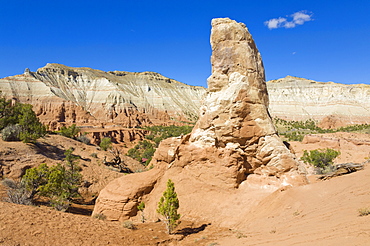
275 23
298 18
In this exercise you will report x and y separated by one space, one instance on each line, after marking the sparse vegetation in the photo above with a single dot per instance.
19 122
142 152
106 143
129 225
364 211
297 213
100 216
17 192
69 132
83 139
145 149
296 130
159 133
240 235
168 206
94 155
11 133
59 183
321 158
141 208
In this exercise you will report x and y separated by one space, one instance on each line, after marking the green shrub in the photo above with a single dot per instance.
294 136
105 144
9 112
158 133
320 158
69 132
59 183
22 115
168 206
142 152
11 133
32 128
295 130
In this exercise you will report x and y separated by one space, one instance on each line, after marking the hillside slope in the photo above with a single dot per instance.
295 98
84 95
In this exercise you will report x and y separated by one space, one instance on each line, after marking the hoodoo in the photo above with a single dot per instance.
233 157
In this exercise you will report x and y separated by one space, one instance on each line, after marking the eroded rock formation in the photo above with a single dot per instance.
65 95
332 104
233 156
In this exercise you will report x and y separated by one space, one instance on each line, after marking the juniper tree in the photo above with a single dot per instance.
168 205
59 182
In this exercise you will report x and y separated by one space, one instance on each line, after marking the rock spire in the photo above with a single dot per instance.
231 159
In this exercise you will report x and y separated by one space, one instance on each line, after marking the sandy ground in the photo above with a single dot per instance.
324 213
320 213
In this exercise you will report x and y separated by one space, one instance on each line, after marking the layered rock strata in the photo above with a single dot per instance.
86 96
63 95
333 104
233 156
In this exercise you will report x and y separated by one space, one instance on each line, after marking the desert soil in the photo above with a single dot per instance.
320 213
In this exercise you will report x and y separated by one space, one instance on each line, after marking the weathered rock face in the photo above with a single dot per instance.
233 156
63 95
51 110
83 95
335 104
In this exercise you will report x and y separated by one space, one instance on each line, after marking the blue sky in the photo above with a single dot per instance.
172 37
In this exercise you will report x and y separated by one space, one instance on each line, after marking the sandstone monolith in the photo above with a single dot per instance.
231 159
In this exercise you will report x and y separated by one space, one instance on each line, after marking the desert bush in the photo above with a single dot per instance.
105 144
129 225
94 155
69 132
321 158
364 211
17 192
29 126
11 133
168 206
59 183
84 139
100 216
